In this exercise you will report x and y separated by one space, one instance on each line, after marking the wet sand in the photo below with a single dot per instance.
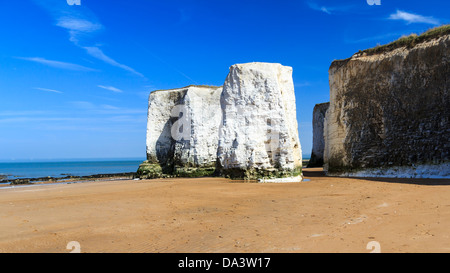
324 214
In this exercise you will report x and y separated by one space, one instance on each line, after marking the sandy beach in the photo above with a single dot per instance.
322 214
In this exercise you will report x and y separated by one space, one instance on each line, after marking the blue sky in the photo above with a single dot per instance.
74 80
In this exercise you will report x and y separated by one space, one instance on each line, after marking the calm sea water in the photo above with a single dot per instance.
69 167
59 169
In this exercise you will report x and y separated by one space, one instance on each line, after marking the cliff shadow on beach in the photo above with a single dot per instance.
412 181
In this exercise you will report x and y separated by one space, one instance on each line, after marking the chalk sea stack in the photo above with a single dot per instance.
258 137
182 132
319 112
246 129
389 110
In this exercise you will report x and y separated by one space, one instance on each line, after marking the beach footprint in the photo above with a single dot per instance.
357 220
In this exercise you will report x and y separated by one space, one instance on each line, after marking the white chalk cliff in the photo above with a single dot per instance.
259 133
245 130
182 128
318 135
389 112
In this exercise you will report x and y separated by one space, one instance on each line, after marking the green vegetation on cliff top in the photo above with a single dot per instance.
410 40
407 41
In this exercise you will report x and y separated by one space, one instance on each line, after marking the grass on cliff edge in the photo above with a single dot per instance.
410 40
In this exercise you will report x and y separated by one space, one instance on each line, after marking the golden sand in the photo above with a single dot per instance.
324 214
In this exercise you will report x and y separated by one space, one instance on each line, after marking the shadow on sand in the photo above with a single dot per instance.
318 172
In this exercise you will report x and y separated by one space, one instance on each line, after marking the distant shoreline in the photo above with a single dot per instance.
68 178
26 172
57 160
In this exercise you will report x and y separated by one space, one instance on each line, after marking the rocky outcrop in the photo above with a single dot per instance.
319 111
389 113
182 132
258 137
245 130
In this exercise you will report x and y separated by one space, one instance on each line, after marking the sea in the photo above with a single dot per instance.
62 168
66 167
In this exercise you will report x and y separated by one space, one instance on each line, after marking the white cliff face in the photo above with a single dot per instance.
259 132
318 135
388 113
159 139
248 128
182 127
197 147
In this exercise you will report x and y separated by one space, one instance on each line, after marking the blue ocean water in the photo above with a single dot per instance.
14 170
35 169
